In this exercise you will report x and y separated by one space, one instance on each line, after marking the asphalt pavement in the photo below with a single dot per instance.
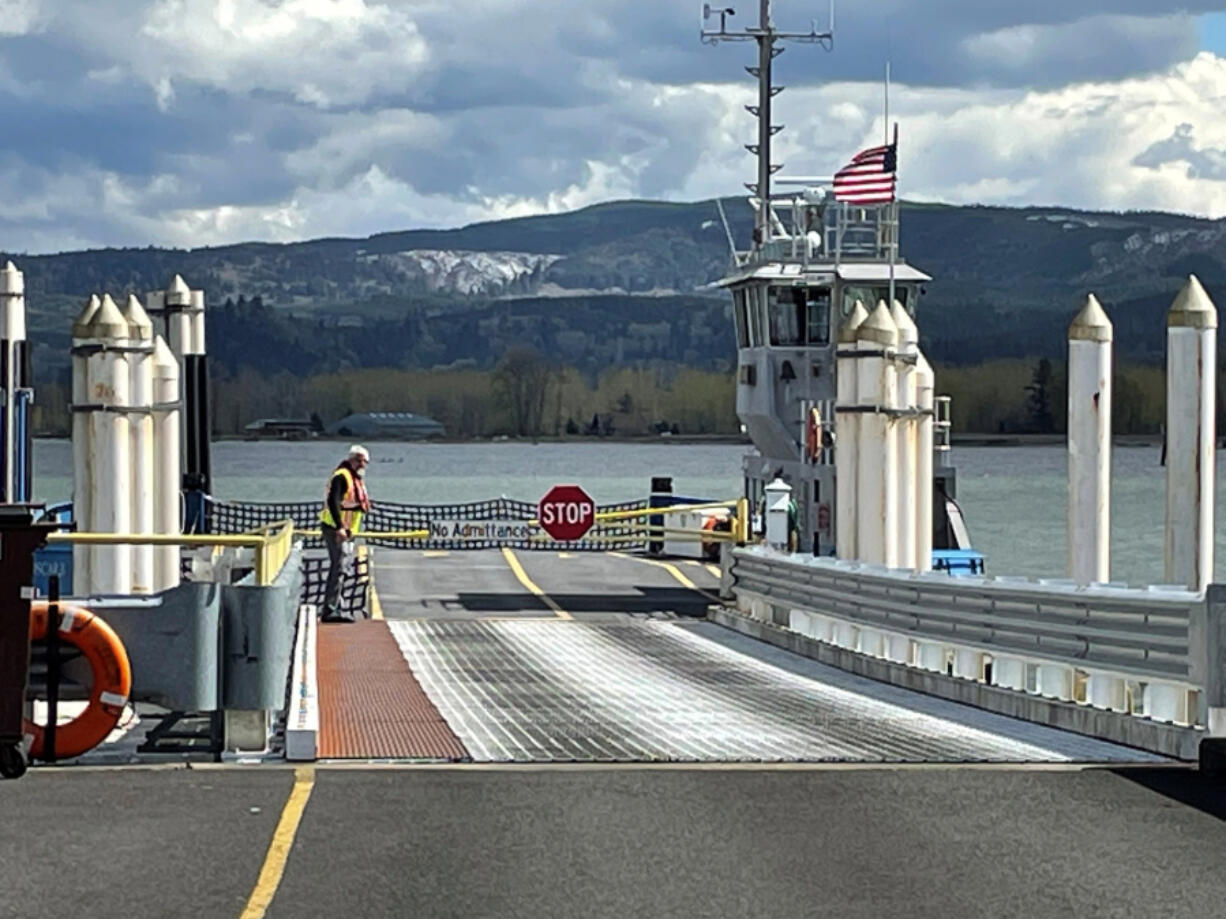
619 841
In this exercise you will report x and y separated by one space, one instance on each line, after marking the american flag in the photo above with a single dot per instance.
870 178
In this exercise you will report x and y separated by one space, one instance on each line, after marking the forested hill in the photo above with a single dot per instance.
623 283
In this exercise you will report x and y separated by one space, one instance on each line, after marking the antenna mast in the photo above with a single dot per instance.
767 37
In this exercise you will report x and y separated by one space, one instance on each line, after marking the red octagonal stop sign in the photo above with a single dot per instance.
566 512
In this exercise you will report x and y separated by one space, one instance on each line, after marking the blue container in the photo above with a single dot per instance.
51 560
56 559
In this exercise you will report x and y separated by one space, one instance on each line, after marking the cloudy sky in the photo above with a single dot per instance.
197 122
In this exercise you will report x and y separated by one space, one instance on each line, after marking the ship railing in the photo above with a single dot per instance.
1139 666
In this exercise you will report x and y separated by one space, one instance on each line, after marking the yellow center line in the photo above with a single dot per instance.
522 576
282 841
714 569
435 553
671 569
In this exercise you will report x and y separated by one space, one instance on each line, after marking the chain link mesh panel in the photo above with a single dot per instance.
388 516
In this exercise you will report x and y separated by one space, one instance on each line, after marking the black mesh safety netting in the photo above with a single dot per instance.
473 525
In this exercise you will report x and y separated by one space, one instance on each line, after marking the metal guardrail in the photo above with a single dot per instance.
1131 632
1155 652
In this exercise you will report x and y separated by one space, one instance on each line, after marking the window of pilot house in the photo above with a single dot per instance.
818 315
785 310
742 319
754 307
799 316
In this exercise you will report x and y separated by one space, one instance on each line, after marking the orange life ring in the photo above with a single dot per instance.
108 659
813 435
714 524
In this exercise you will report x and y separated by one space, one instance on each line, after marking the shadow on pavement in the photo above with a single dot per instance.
1187 785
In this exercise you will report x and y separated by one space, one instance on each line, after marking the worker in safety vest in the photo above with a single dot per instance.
345 503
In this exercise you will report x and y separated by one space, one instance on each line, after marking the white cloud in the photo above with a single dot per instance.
321 52
286 119
17 17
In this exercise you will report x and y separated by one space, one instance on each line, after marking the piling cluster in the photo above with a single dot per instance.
884 440
127 435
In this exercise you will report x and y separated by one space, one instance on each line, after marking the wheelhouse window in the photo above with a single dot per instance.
817 311
785 311
741 317
799 316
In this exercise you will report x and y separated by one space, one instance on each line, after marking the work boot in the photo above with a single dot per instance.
332 614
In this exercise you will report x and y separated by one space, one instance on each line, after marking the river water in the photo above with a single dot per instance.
1014 498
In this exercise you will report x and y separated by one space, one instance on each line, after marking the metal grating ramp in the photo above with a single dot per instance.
370 706
555 691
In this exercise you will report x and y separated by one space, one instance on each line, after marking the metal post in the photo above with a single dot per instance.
876 509
847 426
661 496
1190 404
1089 445
907 434
52 645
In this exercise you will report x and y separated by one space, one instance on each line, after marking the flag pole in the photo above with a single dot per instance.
894 197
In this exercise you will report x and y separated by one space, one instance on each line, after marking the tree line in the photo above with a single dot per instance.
525 395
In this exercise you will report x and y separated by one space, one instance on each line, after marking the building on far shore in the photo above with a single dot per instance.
385 426
281 428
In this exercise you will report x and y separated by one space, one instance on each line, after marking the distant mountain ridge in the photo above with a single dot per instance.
1006 282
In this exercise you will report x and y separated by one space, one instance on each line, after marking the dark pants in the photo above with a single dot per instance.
332 588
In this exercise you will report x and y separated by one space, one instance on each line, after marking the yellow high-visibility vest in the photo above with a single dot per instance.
352 504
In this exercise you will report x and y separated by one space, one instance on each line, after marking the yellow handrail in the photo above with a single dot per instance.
272 544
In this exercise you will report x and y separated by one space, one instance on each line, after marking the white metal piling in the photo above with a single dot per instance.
83 468
1089 445
846 431
111 501
178 303
13 330
197 323
167 517
876 475
1191 375
907 434
143 469
925 386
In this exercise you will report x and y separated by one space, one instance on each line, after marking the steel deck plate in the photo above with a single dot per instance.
370 706
634 690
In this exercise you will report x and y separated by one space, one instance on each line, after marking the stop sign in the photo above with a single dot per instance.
566 512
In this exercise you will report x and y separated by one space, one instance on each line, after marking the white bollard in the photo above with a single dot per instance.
968 664
846 431
931 656
1009 673
876 478
925 386
1089 445
907 434
871 642
140 424
1166 702
111 500
1055 681
1191 375
83 467
898 648
166 512
1109 692
778 502
13 332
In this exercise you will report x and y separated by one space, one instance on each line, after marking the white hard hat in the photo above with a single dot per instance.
359 450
